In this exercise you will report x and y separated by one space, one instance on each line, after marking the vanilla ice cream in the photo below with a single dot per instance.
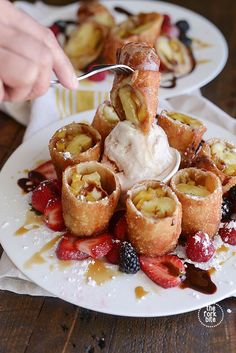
137 156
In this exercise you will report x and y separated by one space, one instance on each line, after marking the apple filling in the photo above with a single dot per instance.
224 156
134 109
184 119
84 44
110 115
135 30
87 187
73 142
189 186
154 203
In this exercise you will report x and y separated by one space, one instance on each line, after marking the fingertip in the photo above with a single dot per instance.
74 82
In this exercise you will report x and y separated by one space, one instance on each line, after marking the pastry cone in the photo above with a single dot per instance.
219 157
95 11
134 97
72 144
90 193
154 221
200 194
184 133
85 44
144 27
105 119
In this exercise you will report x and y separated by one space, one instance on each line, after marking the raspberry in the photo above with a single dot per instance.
228 232
199 247
129 262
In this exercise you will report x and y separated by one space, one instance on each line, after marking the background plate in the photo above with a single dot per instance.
201 28
116 296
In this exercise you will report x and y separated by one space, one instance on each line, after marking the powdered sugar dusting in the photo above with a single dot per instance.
66 155
231 225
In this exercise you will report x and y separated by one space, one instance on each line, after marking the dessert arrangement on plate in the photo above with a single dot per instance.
95 37
136 190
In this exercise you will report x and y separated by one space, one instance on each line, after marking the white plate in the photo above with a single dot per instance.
201 29
115 296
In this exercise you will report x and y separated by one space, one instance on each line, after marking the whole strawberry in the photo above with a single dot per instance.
199 247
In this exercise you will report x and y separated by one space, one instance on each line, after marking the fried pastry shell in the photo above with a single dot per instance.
134 97
153 236
204 160
139 56
86 218
182 136
95 11
134 29
105 119
61 160
200 213
85 44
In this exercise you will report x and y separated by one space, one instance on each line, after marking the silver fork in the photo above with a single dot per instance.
122 69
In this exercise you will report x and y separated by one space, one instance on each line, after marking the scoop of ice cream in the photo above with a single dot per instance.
137 156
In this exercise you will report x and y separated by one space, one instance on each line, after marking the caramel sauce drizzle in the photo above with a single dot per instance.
37 258
222 248
32 221
140 292
99 272
200 44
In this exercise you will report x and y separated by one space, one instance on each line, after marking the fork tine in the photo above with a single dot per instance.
122 70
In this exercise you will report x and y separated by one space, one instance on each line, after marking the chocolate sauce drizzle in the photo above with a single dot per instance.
199 280
122 11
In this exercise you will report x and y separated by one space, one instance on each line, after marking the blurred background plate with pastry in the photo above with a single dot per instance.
187 44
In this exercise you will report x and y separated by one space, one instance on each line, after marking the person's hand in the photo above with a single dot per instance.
29 53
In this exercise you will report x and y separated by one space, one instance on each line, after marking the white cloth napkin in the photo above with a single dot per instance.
58 104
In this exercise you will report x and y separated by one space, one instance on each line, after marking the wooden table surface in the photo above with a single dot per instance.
37 324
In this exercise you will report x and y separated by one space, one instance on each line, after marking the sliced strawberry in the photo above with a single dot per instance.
96 247
44 192
66 249
166 20
114 254
55 29
97 77
53 215
164 270
228 232
120 229
47 170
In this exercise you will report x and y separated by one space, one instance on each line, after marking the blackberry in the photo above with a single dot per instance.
232 193
183 26
129 261
226 208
